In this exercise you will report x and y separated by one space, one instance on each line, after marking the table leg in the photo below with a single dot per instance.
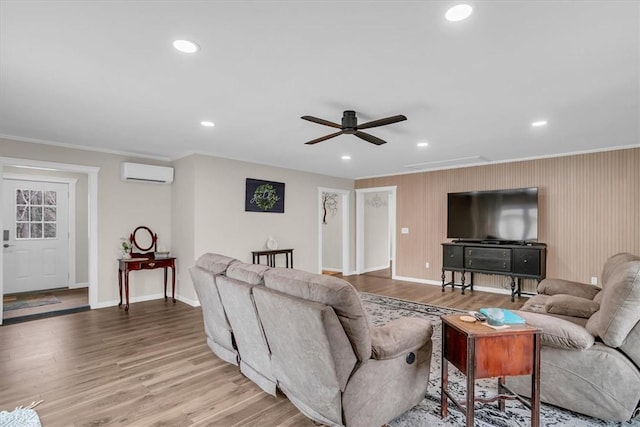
173 284
120 286
126 290
471 375
444 384
500 392
292 259
535 383
513 289
462 282
165 283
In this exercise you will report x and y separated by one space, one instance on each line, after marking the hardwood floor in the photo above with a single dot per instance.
152 367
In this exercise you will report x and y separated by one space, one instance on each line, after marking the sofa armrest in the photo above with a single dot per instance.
569 305
559 333
400 336
560 286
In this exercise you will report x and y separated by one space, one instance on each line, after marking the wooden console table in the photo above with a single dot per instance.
479 351
513 260
125 265
271 256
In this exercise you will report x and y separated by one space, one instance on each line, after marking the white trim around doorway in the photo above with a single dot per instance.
346 253
92 188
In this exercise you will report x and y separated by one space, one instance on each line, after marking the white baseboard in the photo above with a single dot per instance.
79 285
416 280
192 303
334 270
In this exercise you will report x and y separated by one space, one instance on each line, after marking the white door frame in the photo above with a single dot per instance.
360 193
92 184
346 256
71 182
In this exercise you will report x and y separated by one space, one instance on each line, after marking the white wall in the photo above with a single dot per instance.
332 237
122 206
81 214
222 226
376 231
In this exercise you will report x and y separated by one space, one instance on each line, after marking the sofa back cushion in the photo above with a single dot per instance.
215 263
613 263
252 274
331 291
619 306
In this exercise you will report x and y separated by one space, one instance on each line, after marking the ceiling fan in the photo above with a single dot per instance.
350 126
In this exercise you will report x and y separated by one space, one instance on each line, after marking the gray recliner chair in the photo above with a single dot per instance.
216 325
590 353
236 293
330 361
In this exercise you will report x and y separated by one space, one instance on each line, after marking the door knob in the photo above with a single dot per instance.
6 245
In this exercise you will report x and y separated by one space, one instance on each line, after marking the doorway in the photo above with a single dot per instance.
375 230
89 237
333 231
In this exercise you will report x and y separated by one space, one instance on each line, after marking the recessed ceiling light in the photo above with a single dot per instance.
458 12
346 157
207 123
186 46
539 123
422 144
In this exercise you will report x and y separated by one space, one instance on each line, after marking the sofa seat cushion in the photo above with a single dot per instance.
570 305
215 263
332 291
559 333
619 307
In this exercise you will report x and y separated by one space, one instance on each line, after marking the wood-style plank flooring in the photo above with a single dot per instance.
152 367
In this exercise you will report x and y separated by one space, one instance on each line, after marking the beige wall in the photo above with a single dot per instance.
122 206
589 210
81 212
221 225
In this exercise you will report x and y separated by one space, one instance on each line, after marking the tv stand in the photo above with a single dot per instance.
519 260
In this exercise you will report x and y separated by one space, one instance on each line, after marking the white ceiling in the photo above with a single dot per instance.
103 75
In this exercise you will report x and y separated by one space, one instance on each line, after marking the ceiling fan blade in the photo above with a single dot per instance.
324 138
369 138
382 122
321 121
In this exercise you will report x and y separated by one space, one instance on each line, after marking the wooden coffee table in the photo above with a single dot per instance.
479 351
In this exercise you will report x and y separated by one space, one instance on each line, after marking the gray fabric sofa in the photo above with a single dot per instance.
590 353
309 336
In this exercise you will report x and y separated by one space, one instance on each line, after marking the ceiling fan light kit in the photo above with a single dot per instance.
350 126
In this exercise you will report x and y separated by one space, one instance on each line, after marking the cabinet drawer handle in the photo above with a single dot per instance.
525 261
151 264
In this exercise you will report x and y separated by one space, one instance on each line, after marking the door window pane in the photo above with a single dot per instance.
49 230
50 198
36 197
22 230
49 213
36 230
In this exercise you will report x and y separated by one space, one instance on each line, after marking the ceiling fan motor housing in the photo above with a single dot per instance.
349 122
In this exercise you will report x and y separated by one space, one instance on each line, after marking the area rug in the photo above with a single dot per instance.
427 413
16 302
21 417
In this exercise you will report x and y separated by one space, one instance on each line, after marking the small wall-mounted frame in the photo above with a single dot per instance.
264 196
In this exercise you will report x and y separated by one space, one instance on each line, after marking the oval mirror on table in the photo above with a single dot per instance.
143 241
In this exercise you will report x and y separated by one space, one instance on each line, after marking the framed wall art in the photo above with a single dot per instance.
264 196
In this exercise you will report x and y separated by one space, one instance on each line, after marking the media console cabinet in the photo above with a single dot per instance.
518 261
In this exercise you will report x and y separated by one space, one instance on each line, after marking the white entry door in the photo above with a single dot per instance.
35 235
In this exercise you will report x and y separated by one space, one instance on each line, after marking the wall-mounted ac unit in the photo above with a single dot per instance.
137 172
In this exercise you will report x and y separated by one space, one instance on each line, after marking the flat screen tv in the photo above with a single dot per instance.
493 216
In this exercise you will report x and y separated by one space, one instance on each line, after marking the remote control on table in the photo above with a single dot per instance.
479 316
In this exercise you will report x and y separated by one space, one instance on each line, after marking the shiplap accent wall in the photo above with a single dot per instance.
589 209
